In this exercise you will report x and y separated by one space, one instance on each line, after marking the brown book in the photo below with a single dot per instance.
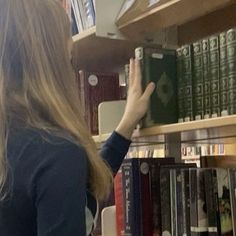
218 161
94 88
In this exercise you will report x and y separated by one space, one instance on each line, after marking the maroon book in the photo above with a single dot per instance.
94 88
118 190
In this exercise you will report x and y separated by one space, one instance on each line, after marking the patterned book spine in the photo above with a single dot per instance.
231 61
215 75
224 75
206 78
224 202
165 201
186 201
198 104
187 78
118 191
127 192
180 86
130 168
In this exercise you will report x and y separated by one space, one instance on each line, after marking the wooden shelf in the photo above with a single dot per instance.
94 53
214 130
180 12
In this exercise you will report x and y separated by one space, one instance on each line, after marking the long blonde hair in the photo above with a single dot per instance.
37 82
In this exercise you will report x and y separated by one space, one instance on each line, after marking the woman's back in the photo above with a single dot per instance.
43 169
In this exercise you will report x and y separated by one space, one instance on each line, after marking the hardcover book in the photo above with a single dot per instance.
224 75
180 85
206 78
198 82
159 66
231 62
215 75
95 88
187 52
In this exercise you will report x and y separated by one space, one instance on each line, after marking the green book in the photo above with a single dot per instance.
180 85
187 52
206 78
198 82
159 66
231 61
224 75
215 75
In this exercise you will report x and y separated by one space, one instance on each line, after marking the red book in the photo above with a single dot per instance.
94 88
118 189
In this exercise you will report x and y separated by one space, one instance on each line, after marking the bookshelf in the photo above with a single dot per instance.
194 19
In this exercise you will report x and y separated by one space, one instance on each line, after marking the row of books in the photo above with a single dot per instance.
81 13
160 197
202 150
207 76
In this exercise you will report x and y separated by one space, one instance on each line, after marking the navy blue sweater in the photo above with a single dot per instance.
48 179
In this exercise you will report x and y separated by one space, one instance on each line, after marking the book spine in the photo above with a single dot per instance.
206 78
224 75
180 86
198 104
165 201
193 202
224 202
145 201
173 202
179 203
133 224
232 183
215 75
186 201
231 61
211 203
127 183
89 12
187 78
118 191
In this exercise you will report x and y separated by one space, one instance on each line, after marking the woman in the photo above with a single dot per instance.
50 173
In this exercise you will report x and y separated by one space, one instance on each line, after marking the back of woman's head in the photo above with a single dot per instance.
37 83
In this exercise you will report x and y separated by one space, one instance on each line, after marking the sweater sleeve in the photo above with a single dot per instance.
114 151
60 191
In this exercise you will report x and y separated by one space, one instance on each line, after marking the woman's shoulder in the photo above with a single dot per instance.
36 141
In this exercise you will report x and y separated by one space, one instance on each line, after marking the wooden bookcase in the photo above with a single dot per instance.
108 47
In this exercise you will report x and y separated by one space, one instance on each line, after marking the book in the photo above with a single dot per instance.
198 211
232 189
95 88
226 227
212 206
118 192
187 51
231 62
180 85
206 78
224 75
198 81
159 66
215 76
